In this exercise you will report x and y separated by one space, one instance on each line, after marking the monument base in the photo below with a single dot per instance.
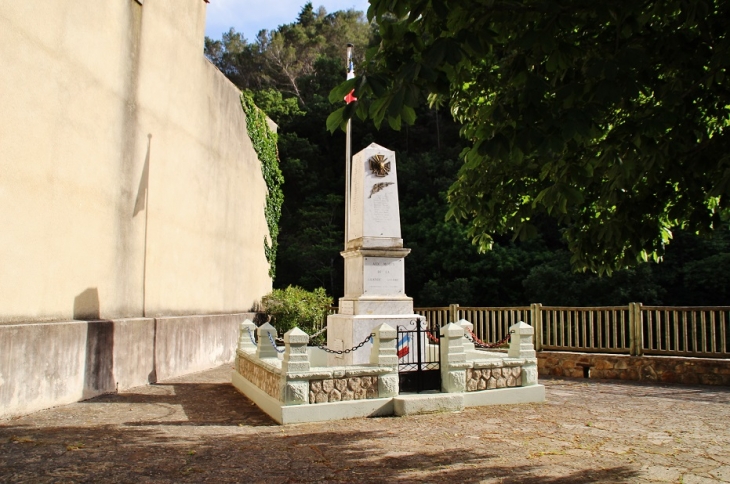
380 306
346 331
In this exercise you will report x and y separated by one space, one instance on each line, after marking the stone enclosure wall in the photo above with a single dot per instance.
131 198
666 369
343 389
266 380
491 378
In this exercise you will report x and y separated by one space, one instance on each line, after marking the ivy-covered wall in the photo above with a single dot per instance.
264 143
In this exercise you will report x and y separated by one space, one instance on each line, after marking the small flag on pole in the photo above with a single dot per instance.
350 74
404 346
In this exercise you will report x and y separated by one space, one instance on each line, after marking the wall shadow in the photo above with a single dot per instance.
99 362
144 182
86 305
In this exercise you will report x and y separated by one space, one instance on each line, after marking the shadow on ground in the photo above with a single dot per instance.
113 454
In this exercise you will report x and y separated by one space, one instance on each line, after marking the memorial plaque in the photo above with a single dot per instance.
383 276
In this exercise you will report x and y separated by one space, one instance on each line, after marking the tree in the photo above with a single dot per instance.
612 118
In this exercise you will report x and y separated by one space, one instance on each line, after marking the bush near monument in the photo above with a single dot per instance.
296 307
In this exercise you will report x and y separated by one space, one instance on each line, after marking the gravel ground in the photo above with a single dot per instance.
197 428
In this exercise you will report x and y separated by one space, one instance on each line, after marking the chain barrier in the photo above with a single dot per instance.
311 336
318 333
477 342
432 337
273 343
348 350
250 335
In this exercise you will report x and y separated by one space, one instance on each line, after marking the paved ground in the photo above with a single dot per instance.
199 429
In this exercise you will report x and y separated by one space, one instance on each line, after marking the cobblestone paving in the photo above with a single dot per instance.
199 429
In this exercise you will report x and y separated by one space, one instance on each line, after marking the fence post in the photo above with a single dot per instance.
453 313
636 330
639 331
536 317
632 330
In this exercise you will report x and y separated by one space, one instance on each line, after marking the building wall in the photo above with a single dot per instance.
91 94
129 192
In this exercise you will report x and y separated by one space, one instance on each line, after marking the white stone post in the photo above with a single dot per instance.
265 349
245 335
453 359
521 346
384 353
295 351
296 359
467 327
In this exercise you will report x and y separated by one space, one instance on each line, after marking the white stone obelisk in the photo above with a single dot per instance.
374 259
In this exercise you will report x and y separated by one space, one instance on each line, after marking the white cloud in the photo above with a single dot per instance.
251 16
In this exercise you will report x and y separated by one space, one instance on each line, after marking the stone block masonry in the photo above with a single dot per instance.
665 369
343 389
265 379
491 378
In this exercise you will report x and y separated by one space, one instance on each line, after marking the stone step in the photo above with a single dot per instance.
427 402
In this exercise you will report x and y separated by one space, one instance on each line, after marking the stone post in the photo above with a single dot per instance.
245 335
520 346
295 351
453 359
467 327
384 353
265 348
296 359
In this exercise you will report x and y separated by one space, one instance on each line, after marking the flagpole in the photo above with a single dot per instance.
348 151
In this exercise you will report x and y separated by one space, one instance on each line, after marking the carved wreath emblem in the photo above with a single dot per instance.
379 186
379 166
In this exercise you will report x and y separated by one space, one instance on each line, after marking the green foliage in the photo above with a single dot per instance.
264 143
612 119
444 266
283 58
296 307
554 284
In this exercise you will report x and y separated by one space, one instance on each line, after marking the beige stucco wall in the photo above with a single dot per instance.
90 92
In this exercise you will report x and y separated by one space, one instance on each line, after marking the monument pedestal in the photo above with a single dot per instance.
374 259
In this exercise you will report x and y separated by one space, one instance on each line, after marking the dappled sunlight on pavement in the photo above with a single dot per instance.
198 428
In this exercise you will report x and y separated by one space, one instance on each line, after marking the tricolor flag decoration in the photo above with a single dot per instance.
350 97
404 346
350 74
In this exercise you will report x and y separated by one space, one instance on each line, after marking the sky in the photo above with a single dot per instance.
250 16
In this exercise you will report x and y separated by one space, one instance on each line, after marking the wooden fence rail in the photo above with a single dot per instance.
634 329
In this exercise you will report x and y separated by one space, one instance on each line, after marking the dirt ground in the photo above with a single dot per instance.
199 429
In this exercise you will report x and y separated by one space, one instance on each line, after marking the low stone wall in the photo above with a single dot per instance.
48 364
266 379
666 369
343 389
491 378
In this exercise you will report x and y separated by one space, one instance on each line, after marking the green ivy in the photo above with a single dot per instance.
264 143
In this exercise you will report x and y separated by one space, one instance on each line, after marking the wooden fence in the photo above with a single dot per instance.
633 329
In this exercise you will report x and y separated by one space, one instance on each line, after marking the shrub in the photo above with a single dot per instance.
298 307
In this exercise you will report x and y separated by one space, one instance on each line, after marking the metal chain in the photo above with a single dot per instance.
432 337
250 335
273 343
281 340
348 350
477 342
318 333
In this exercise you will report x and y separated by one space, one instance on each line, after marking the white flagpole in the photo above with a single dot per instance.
348 151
